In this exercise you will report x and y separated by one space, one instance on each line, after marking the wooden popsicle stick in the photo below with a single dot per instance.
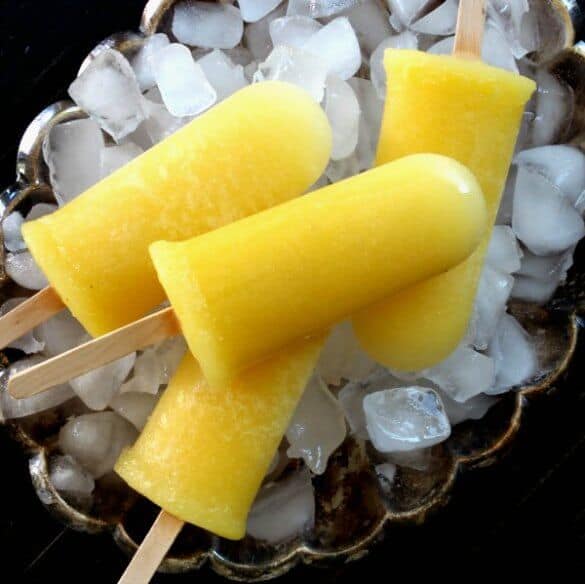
93 354
32 312
469 31
152 550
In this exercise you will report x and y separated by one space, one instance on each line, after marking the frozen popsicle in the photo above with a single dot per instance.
461 108
264 145
204 452
244 291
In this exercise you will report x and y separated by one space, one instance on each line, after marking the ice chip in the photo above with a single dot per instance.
257 35
474 408
148 371
386 473
514 355
40 210
11 408
294 66
134 407
11 225
440 21
22 269
404 12
72 153
493 293
317 427
60 333
418 459
97 387
182 83
464 374
517 23
28 342
68 477
160 123
108 91
533 289
293 31
115 157
343 112
141 62
543 219
340 169
337 46
503 252
546 267
284 509
223 75
210 25
96 440
371 24
404 40
343 358
170 353
319 8
405 418
562 165
254 10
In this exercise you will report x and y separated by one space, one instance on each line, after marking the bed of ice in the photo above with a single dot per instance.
333 49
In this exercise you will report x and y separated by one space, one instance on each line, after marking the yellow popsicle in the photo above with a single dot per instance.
262 146
204 453
246 290
471 112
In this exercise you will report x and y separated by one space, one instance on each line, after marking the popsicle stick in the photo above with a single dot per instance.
73 363
153 549
470 25
32 312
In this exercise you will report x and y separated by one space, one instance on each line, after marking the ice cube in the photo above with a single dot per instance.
546 267
553 109
96 440
225 77
294 66
254 10
60 333
257 35
40 210
514 355
371 107
503 252
517 23
11 408
343 112
147 375
474 408
405 418
210 25
343 358
141 62
68 477
418 459
464 374
134 407
317 427
11 225
182 83
319 8
404 12
543 219
108 91
22 269
370 22
534 289
72 153
440 21
340 169
160 123
115 157
239 55
284 509
97 387
386 473
404 40
493 294
170 354
28 342
562 165
337 46
293 31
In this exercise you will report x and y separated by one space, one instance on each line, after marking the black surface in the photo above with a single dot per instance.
526 514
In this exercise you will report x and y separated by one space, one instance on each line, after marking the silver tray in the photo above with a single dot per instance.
352 510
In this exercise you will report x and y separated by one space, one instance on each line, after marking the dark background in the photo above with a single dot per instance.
525 515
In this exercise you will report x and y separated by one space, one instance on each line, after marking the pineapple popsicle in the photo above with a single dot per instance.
204 452
469 111
249 289
262 146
